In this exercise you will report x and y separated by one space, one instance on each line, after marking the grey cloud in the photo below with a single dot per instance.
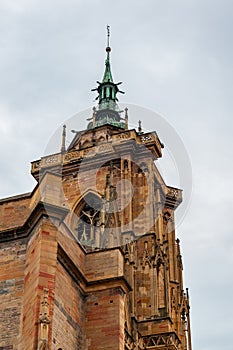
174 57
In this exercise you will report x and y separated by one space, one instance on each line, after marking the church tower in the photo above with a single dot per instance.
89 259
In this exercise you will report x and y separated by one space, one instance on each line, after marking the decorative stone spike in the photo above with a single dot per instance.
63 145
126 119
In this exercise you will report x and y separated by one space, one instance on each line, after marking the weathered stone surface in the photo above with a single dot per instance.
115 284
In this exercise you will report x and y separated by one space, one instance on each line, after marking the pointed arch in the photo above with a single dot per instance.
79 200
101 139
86 143
86 219
43 346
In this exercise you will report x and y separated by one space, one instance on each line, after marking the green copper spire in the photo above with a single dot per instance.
107 74
108 111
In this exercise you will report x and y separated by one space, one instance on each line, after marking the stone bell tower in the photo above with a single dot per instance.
90 259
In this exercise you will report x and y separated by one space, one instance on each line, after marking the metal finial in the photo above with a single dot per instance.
108 49
108 34
63 144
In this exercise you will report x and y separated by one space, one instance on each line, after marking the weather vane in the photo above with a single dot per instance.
108 35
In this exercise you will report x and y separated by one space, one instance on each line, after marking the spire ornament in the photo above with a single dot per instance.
108 48
108 111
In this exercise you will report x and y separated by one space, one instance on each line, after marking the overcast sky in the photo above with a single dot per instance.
175 58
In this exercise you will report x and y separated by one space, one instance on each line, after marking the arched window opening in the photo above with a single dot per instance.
105 92
111 93
126 164
144 167
88 220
